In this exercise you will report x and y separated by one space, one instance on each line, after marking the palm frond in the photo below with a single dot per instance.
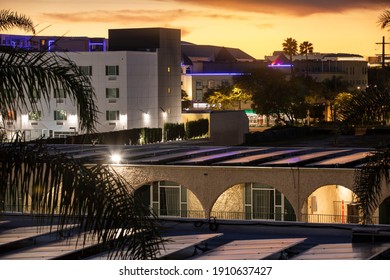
369 179
9 20
95 197
384 19
24 74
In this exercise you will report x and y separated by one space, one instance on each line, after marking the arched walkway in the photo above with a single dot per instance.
329 204
170 199
207 183
384 211
253 201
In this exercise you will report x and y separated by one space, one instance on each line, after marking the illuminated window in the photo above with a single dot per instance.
165 198
169 69
87 70
265 203
34 116
112 70
112 115
211 84
60 115
112 92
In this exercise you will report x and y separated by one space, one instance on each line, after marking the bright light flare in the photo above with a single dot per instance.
116 158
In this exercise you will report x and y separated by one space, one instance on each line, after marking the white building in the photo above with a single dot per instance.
137 84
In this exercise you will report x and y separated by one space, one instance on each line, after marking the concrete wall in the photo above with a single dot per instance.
228 127
209 183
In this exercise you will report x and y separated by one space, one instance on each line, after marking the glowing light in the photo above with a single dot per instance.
279 65
146 116
216 74
72 119
116 158
123 118
24 120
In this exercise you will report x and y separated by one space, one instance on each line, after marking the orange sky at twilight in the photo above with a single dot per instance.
258 27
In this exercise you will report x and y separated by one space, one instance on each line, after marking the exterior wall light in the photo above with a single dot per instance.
116 158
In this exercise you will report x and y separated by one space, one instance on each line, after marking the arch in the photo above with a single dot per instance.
253 201
384 211
170 199
330 204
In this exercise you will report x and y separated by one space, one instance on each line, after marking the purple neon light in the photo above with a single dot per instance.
216 74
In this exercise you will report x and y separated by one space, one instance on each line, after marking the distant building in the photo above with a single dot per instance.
54 43
136 80
206 67
352 68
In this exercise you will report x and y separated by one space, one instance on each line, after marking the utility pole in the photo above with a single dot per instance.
383 43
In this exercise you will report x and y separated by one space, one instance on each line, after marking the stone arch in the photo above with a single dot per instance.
384 211
329 203
237 202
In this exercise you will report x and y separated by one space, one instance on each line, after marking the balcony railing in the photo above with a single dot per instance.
221 215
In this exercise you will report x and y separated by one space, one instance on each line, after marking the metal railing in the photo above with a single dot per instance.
337 219
222 215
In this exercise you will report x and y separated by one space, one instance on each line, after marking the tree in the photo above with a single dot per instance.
305 48
371 177
384 19
330 89
369 180
290 47
10 19
41 179
185 101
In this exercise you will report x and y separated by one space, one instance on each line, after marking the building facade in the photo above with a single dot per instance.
136 85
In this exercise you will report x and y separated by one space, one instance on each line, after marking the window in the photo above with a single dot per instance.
87 70
34 116
165 198
59 93
265 203
60 115
112 115
112 92
211 84
198 84
199 95
225 83
112 70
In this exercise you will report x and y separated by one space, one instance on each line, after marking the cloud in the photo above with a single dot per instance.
136 16
295 7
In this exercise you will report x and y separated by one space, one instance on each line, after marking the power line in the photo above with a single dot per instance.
383 43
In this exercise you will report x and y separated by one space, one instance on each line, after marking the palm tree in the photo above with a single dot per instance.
26 75
331 88
305 48
369 179
290 47
44 181
384 19
10 19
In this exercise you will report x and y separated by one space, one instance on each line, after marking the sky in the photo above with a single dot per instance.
257 27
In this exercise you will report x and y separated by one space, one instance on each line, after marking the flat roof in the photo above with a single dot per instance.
176 154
